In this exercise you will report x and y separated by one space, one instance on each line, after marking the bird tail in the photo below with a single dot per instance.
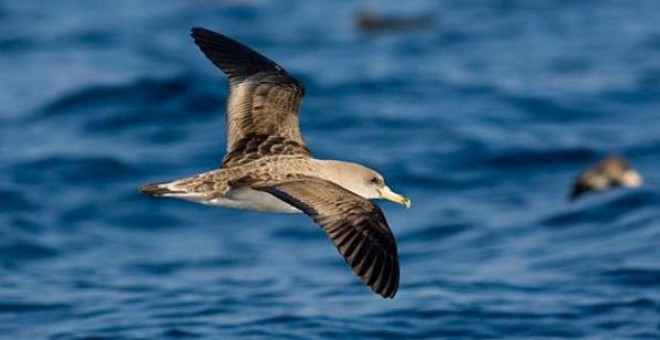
159 189
577 191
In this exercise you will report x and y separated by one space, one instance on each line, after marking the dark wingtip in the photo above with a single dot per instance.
389 293
199 32
195 29
385 282
232 57
236 60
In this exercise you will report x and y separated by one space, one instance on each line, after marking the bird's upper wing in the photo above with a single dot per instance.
356 226
263 103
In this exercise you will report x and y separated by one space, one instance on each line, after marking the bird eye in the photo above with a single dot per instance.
374 180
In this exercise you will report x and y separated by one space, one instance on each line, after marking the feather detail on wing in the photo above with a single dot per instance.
356 226
263 104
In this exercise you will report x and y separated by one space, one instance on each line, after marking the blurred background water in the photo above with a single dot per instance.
483 120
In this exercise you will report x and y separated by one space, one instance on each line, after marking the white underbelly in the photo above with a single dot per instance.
246 198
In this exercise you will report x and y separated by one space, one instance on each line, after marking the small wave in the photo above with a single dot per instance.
368 87
550 110
646 90
130 106
86 169
158 269
135 216
94 38
14 201
615 208
565 64
525 157
651 42
297 233
139 91
25 307
22 250
608 307
449 183
635 277
435 232
648 149
179 333
14 43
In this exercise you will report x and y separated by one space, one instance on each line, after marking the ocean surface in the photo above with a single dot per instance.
483 120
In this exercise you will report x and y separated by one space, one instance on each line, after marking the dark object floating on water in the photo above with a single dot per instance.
268 166
611 172
371 22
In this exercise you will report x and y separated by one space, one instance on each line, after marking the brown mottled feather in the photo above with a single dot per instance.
263 104
355 226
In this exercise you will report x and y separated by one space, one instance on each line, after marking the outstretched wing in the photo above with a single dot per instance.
356 226
262 108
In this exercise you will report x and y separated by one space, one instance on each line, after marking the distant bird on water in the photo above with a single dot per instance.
268 166
371 22
609 173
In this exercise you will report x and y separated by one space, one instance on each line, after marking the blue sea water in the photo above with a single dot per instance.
483 121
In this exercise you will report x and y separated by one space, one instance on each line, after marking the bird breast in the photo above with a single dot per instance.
249 199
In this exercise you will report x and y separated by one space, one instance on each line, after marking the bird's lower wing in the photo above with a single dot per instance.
356 226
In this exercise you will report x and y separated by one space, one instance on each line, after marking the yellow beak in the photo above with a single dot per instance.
387 194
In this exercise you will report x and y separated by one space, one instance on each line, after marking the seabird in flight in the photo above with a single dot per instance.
268 166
